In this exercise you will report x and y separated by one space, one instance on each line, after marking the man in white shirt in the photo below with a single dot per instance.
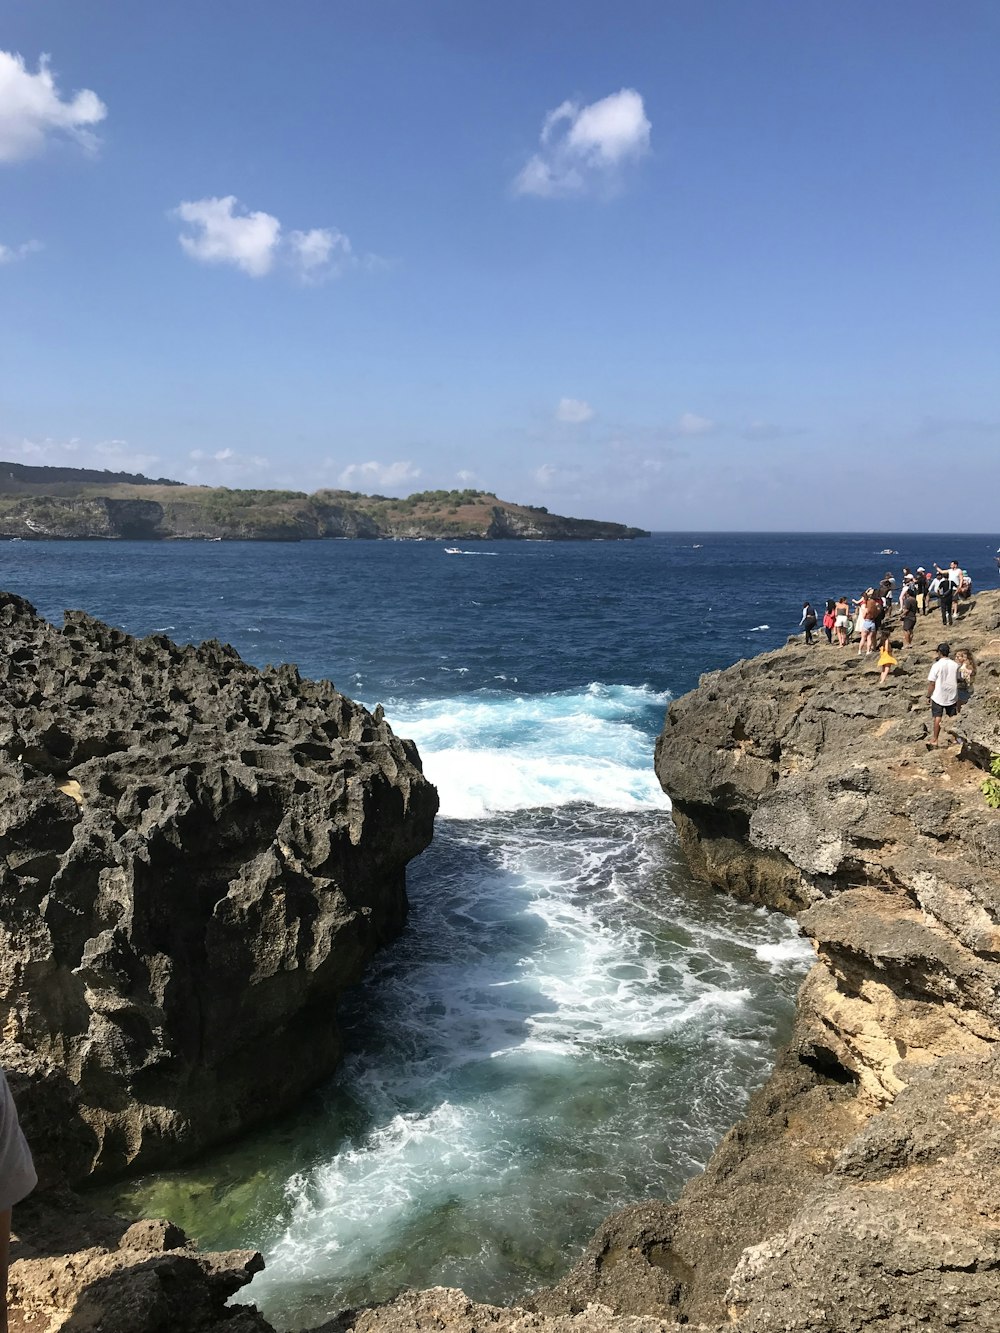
942 688
17 1178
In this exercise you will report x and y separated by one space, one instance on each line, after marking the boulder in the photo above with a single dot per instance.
198 858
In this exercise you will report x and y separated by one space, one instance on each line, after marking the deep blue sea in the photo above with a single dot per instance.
569 1023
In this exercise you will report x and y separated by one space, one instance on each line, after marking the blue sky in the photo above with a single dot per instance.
683 263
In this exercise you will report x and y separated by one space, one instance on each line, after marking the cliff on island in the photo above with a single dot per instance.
63 504
858 1193
198 857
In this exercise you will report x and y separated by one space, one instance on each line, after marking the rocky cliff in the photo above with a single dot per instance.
860 1191
75 504
197 858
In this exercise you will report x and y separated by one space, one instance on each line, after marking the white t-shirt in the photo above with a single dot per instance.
17 1171
944 674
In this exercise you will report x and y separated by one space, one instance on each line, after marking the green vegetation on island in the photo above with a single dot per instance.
39 503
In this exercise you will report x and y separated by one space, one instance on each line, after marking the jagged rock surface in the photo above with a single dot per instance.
197 858
73 1269
860 1192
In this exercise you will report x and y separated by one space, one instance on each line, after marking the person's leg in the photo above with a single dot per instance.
936 729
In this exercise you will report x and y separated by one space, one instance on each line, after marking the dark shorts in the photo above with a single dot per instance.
908 622
941 710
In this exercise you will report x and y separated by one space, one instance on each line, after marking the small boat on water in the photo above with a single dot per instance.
888 551
453 550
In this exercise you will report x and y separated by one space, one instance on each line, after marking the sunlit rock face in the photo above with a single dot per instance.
197 858
857 1191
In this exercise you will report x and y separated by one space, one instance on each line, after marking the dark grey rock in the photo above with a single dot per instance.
198 858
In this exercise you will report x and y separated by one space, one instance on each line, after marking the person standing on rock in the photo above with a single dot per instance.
921 583
946 598
17 1179
843 620
942 688
808 621
908 613
966 664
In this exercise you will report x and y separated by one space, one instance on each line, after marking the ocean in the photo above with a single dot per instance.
569 1022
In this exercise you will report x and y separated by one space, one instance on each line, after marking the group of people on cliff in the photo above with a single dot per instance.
871 616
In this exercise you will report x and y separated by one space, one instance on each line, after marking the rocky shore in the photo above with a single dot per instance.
858 1193
198 858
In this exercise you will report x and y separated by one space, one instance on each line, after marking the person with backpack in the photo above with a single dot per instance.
946 590
908 613
829 619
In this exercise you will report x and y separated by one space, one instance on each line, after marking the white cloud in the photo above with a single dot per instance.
31 109
574 410
584 148
10 254
223 232
105 455
689 423
119 456
546 474
320 253
221 236
360 476
465 476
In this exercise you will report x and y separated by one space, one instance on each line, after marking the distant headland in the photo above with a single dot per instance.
81 504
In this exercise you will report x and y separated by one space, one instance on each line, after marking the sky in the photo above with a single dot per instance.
684 264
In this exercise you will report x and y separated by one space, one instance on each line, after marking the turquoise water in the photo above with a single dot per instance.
569 1023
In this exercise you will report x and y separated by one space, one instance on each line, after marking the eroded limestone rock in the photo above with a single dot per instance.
197 858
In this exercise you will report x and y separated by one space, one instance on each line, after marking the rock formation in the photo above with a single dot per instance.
197 858
860 1191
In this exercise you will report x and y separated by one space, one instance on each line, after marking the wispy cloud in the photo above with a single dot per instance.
574 410
31 110
691 424
223 232
584 149
110 455
360 476
224 466
10 254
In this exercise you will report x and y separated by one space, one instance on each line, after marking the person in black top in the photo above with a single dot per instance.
908 613
946 599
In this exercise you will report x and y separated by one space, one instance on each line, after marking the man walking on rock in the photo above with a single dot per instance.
942 688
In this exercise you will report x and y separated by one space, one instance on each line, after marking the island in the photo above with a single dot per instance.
82 504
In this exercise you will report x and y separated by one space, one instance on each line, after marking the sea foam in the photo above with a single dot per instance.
492 751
